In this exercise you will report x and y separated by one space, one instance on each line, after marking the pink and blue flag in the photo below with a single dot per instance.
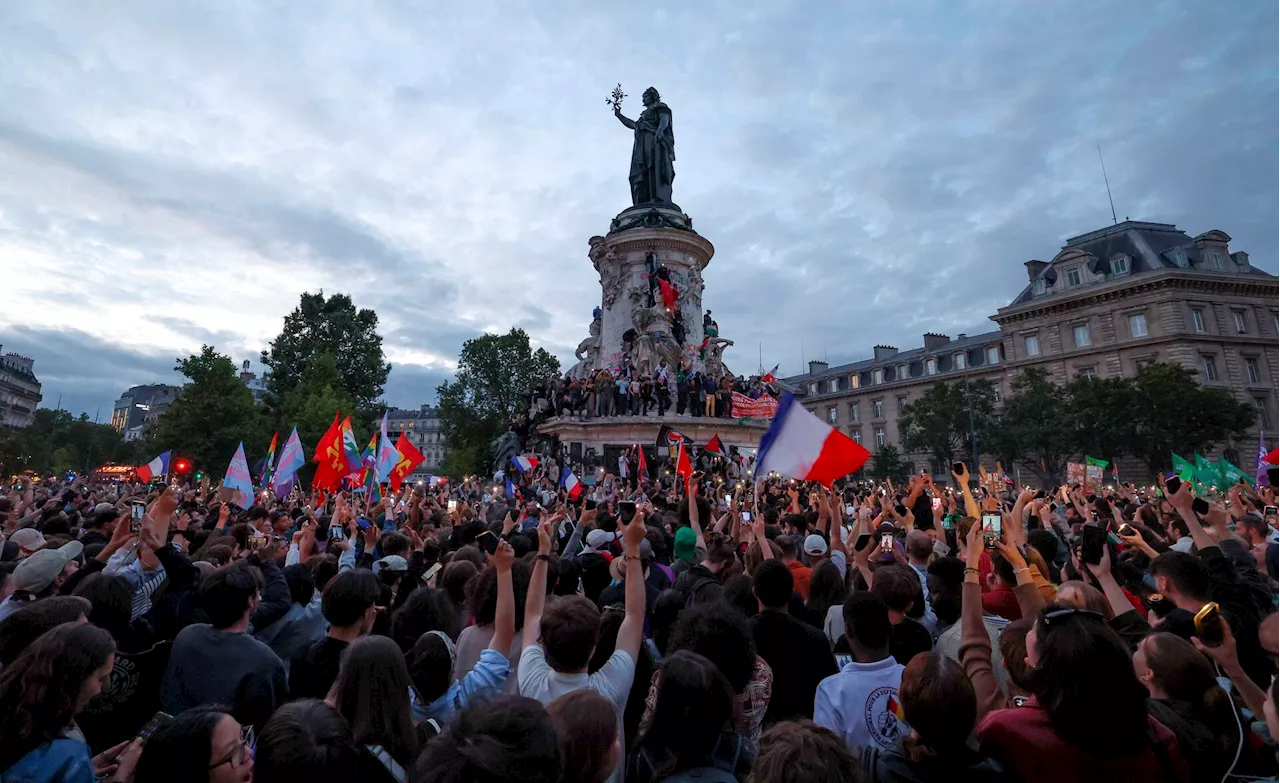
524 463
1262 466
801 446
388 455
155 468
291 460
237 478
571 484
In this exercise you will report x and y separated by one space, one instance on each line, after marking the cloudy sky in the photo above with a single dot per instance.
177 173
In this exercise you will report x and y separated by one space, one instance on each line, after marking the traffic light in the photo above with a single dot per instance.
199 475
182 467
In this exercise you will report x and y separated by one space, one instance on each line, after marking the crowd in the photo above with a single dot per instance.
645 631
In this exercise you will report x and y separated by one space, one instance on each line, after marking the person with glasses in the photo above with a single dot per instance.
201 745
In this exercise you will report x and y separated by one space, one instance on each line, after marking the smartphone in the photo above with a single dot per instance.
431 573
863 542
1126 529
335 533
886 542
1200 506
589 505
153 725
1209 625
257 542
1092 541
1269 511
451 506
992 529
728 499
848 509
1172 484
746 516
626 511
136 512
957 467
936 503
487 542
946 522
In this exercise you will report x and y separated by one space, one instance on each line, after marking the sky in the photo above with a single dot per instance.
178 173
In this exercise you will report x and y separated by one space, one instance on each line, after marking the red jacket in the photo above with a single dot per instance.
1023 740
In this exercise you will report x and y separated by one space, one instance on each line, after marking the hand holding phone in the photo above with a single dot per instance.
992 529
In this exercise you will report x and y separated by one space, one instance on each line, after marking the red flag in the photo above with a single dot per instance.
409 459
644 468
669 294
684 468
713 446
330 466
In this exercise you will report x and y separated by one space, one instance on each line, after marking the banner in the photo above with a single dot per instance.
1075 473
746 408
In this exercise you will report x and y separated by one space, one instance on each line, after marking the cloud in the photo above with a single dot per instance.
173 174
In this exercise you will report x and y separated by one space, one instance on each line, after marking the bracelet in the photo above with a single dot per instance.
631 557
1026 570
971 570
543 558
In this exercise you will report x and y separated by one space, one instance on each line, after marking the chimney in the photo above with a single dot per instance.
934 341
1034 268
1240 257
884 352
960 336
816 367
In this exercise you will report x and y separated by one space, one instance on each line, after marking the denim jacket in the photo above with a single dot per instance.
63 760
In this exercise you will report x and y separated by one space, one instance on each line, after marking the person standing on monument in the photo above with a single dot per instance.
653 154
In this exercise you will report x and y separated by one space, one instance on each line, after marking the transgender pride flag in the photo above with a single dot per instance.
238 479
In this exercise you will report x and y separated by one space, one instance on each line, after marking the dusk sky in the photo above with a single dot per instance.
178 173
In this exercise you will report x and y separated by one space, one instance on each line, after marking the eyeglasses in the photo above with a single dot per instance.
1049 618
241 753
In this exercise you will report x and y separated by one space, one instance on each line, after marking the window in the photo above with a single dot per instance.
1120 265
1179 257
853 411
832 416
1142 364
1197 320
959 361
902 402
877 409
833 385
879 436
1263 418
1251 367
930 366
877 376
1218 258
993 354
1032 343
857 436
813 388
1081 334
995 391
1238 316
854 381
901 374
1086 372
1210 368
1138 325
1073 277
1038 288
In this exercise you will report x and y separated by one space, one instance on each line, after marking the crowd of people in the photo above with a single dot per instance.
644 631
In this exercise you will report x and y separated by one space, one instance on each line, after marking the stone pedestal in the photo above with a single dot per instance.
597 442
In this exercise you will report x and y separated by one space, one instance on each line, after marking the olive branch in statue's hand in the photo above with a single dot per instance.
615 98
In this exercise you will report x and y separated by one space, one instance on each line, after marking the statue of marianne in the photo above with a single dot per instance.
654 153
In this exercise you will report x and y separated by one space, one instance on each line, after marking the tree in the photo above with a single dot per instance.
57 442
1034 428
495 375
1102 416
310 406
1174 413
333 326
214 413
940 421
886 463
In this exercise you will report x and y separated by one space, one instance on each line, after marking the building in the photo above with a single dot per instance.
1110 302
423 428
141 405
19 391
257 386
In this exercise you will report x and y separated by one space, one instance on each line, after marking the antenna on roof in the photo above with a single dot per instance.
1108 184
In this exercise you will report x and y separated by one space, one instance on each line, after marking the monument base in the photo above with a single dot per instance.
597 442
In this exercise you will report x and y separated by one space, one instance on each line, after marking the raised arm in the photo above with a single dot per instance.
700 542
629 123
631 632
970 505
504 620
537 595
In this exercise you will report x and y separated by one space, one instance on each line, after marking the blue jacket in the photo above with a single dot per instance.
61 760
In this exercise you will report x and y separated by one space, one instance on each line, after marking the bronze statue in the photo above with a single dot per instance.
654 153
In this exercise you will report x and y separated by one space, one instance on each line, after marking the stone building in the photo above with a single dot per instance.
138 407
19 391
423 428
1110 302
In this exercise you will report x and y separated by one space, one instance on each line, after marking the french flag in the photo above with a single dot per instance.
801 446
155 468
524 463
571 484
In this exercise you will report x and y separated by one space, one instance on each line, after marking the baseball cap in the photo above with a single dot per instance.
686 544
599 539
39 570
646 551
104 508
28 538
815 545
394 563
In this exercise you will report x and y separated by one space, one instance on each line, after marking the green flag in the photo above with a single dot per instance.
1232 474
1185 470
1208 473
1101 463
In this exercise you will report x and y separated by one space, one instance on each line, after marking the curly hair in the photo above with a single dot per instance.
427 609
482 593
40 691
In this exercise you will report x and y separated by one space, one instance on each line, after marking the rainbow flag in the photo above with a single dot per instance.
267 469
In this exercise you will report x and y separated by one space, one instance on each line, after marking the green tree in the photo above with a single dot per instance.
1034 428
333 326
214 413
57 441
495 374
887 463
310 406
1174 413
939 421
1101 412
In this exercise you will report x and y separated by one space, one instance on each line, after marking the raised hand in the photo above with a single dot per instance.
503 557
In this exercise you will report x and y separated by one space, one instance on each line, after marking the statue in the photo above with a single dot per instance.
588 352
653 154
503 448
714 351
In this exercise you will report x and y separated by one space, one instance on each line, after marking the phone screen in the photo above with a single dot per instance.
335 533
431 573
936 503
1092 541
886 542
992 528
452 506
157 720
